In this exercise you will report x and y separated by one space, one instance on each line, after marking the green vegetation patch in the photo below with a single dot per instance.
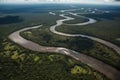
78 70
118 39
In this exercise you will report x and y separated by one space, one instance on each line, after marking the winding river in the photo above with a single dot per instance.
100 66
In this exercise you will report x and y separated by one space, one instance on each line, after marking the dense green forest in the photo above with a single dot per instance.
9 19
18 63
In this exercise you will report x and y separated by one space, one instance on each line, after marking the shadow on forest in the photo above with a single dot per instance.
10 19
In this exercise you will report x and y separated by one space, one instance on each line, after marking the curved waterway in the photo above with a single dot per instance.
61 21
100 66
